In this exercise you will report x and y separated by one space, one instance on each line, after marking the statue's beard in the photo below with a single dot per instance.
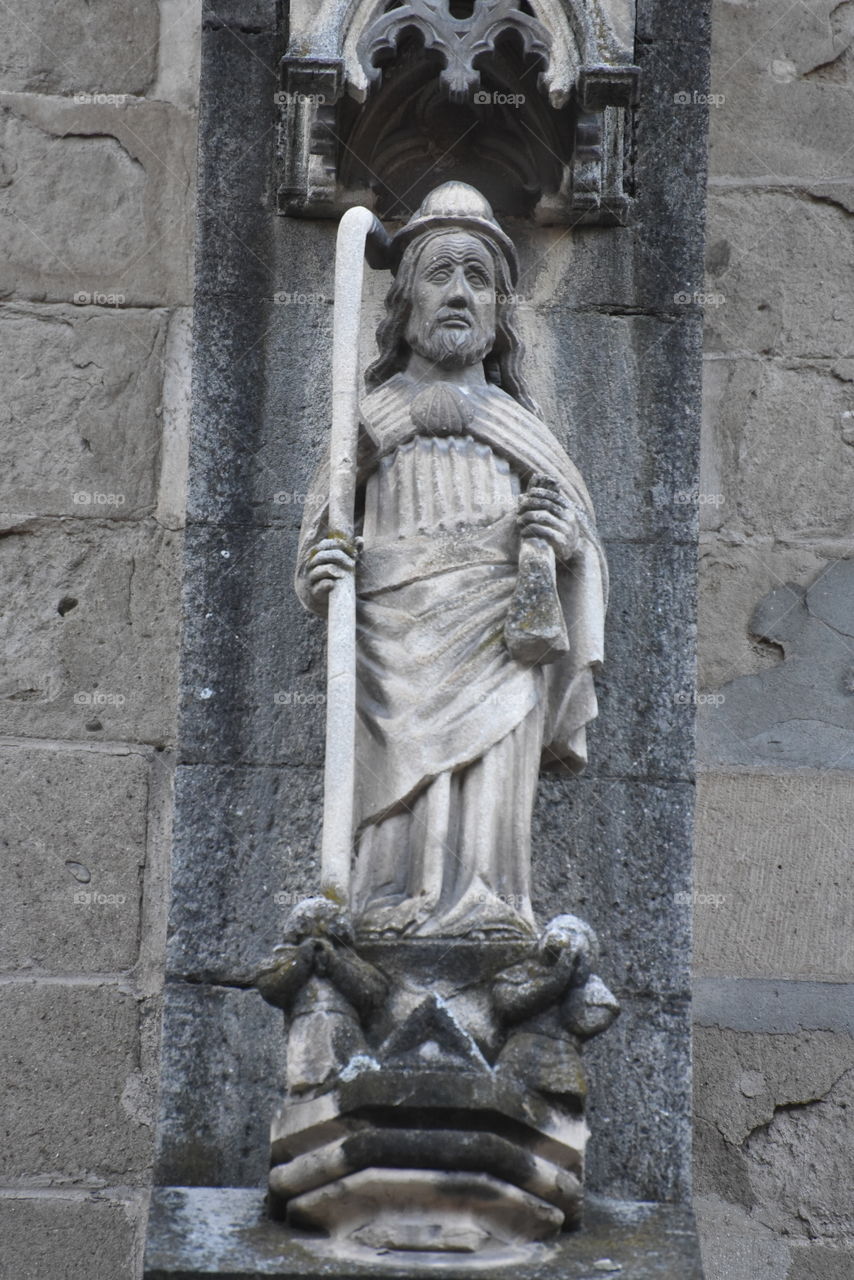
451 348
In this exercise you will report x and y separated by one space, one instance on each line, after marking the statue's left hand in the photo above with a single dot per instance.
545 513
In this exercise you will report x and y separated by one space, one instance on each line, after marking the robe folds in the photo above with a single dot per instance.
452 731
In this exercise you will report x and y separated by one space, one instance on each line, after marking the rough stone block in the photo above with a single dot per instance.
773 877
782 73
799 712
778 448
109 46
246 851
253 663
646 692
779 1103
818 1262
222 1073
615 853
80 416
671 158
90 650
79 1238
806 310
735 1246
76 1102
75 826
121 234
640 1111
734 575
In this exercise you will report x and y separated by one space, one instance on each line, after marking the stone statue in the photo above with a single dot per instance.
434 1091
481 588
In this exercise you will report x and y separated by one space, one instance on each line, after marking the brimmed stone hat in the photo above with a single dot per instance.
455 205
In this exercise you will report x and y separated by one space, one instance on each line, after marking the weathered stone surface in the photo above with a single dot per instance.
177 400
79 1238
107 47
74 828
800 1164
818 1262
734 576
80 416
69 1121
773 1006
671 158
253 662
805 311
619 855
90 649
777 1103
801 711
777 457
221 1075
202 1232
742 1080
734 1246
773 875
783 75
646 711
246 851
121 233
626 1106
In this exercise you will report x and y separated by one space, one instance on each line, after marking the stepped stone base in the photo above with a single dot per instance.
197 1233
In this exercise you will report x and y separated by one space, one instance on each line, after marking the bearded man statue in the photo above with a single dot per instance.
459 479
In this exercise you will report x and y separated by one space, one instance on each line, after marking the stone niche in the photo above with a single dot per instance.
532 102
308 108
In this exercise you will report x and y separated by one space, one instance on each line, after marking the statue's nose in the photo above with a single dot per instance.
459 292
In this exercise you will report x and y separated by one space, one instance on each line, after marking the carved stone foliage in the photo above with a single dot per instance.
529 100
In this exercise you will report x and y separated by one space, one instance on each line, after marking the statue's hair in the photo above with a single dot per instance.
503 364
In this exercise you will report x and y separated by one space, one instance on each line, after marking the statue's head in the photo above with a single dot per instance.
452 299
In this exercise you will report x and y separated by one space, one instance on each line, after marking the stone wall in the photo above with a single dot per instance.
774 943
97 112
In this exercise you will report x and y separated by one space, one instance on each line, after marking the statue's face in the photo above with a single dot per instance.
452 319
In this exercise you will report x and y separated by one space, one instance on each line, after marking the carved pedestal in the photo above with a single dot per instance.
435 1091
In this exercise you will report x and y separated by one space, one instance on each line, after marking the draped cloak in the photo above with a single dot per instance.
441 702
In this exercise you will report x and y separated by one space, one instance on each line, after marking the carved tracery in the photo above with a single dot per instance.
532 98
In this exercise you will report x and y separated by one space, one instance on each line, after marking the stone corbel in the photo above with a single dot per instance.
307 107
